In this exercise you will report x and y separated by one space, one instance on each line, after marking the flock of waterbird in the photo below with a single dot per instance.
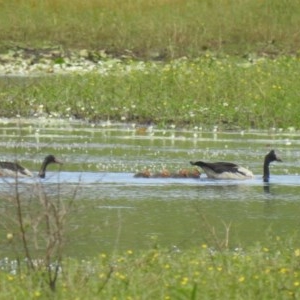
215 170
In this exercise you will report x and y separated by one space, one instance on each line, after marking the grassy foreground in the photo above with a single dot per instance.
260 273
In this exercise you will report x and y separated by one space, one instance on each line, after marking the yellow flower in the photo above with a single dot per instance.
196 273
296 283
283 270
120 276
204 246
184 280
297 252
9 236
120 259
37 294
242 279
129 252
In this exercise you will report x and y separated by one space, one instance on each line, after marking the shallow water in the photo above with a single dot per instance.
114 211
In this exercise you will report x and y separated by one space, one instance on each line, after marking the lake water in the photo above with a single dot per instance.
111 210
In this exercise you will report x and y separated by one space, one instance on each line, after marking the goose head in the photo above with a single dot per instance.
271 156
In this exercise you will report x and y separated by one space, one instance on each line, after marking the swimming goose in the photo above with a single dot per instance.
226 170
270 157
12 169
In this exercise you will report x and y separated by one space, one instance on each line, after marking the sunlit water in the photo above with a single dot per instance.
111 210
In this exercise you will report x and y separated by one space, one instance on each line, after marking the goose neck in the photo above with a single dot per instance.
266 175
42 171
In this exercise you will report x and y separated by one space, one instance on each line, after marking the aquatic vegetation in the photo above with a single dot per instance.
226 92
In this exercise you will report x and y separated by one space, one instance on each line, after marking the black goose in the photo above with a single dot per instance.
227 170
12 169
270 157
224 170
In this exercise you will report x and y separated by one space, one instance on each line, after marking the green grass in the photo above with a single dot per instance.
222 91
212 85
264 272
173 28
